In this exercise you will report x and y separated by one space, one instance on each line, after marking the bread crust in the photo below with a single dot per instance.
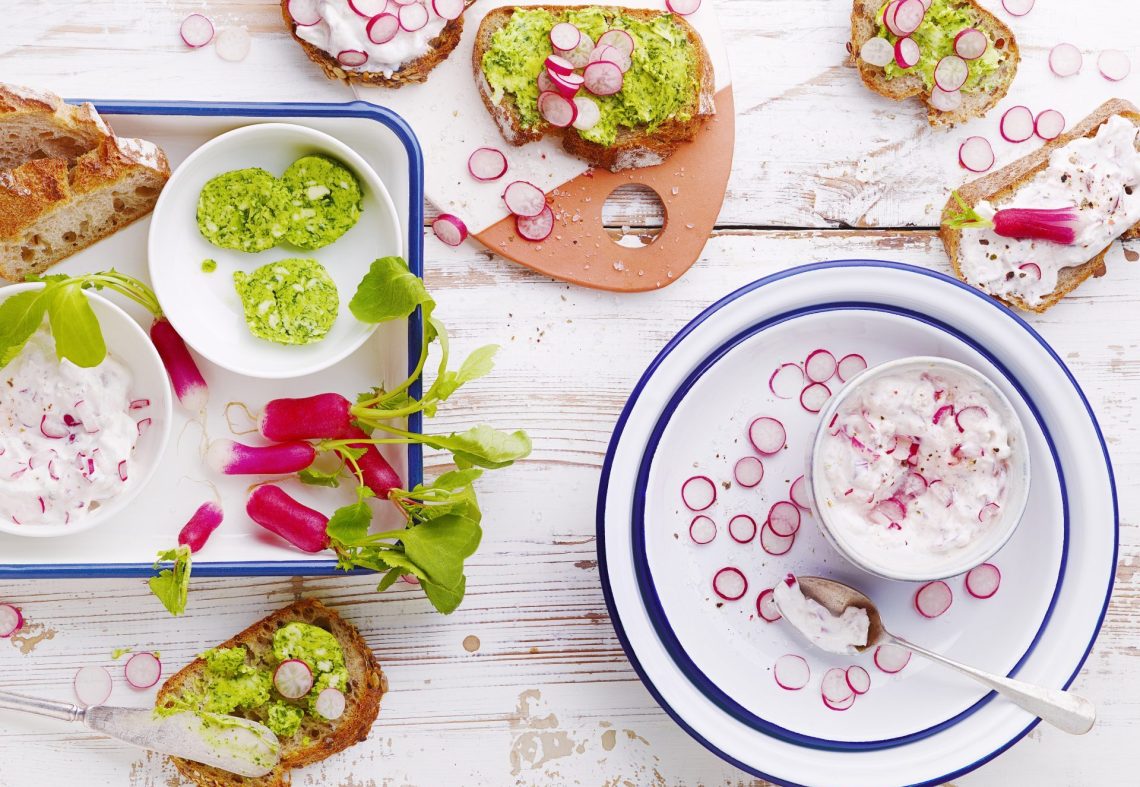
633 147
42 125
1004 182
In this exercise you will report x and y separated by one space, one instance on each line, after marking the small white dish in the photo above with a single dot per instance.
205 308
131 345
1013 507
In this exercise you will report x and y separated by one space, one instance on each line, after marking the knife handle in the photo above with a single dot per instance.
51 708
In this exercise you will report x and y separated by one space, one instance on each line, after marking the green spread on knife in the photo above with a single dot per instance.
325 201
289 302
245 209
660 85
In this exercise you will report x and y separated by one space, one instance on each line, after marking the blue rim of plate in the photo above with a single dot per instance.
354 109
652 601
607 468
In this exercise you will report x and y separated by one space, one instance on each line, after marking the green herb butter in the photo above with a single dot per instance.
325 200
246 210
209 266
944 20
293 301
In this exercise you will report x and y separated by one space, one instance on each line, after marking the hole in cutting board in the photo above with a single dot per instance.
633 215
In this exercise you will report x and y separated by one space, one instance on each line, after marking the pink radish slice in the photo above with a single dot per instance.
413 17
559 65
976 155
798 492
611 54
197 30
589 113
766 606
820 364
92 686
603 78
891 658
908 16
524 199
139 404
1113 65
889 17
330 704
784 518
1065 60
774 544
1016 124
683 7
849 366
368 8
907 52
791 672
448 9
353 58
983 581
970 417
567 86
748 472
53 428
382 28
787 381
565 36
842 704
232 44
487 164
988 513
951 73
814 397
742 528
858 679
619 39
1031 268
933 598
11 620
406 2
556 109
449 229
305 13
293 679
877 52
834 686
1049 124
729 583
579 55
702 530
945 101
698 493
970 44
767 435
143 670
535 228
1018 7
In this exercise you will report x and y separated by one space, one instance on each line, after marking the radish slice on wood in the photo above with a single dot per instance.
774 544
143 670
933 599
536 228
589 113
877 52
814 397
976 155
352 58
729 583
907 52
798 492
858 679
232 44
820 364
449 229
698 493
382 28
565 36
702 530
766 606
92 686
524 199
1065 60
787 381
11 620
1113 65
849 366
1049 124
1018 7
951 73
306 13
983 581
368 8
448 9
767 435
557 109
330 703
683 7
197 30
834 686
970 44
742 528
487 164
945 101
603 78
784 518
891 658
293 679
748 472
791 672
413 17
1016 124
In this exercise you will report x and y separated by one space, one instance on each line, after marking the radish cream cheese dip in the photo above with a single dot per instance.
66 435
1099 176
833 633
344 34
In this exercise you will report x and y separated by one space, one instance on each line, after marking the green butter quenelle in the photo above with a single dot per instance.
292 301
245 209
325 201
659 85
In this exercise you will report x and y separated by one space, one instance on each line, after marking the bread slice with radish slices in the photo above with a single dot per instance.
905 56
316 739
1002 186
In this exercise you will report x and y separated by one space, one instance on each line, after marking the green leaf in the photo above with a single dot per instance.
74 326
478 364
311 475
482 446
440 546
20 316
349 524
454 479
388 291
388 579
445 599
172 585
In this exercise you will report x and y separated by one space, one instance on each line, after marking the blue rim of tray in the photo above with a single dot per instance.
660 619
607 467
355 109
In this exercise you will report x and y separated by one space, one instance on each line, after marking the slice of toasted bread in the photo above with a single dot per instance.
36 125
316 739
415 70
1003 183
635 147
48 211
865 25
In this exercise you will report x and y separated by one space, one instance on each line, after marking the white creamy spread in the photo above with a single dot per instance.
66 435
1098 175
833 633
342 29
915 467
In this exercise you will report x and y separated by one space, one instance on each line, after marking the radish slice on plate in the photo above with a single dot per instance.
368 8
589 113
877 52
524 199
858 679
933 599
293 679
908 16
197 30
1065 60
834 687
742 528
784 518
774 544
1016 124
413 17
766 606
983 581
945 101
448 9
976 155
556 109
748 471
603 78
1113 65
382 28
767 435
352 58
849 366
787 381
698 493
820 364
330 703
619 39
11 620
814 397
92 686
1018 7
143 670
306 13
951 73
842 704
798 492
559 65
1049 124
535 228
449 229
791 672
565 36
970 44
702 530
1031 268
891 658
232 44
487 164
729 583
907 52
683 7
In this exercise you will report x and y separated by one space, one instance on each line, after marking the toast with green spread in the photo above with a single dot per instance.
236 678
666 88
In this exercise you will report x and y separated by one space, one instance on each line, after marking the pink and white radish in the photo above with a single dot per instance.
524 198
951 73
858 679
579 55
766 606
449 229
798 493
784 518
767 435
748 471
820 365
197 530
983 581
970 44
306 13
683 7
382 28
891 658
933 599
589 113
142 670
232 44
787 381
1113 65
556 64
378 475
877 51
698 493
976 155
1018 7
907 52
293 679
775 544
849 366
556 109
837 694
325 416
908 16
448 9
11 620
413 17
565 36
971 417
197 30
568 86
536 228
1065 60
188 383
730 584
1016 124
352 58
791 672
813 397
619 39
742 528
368 9
1049 124
273 509
330 703
989 513
1031 269
487 164
702 530
945 101
232 458
92 685
603 78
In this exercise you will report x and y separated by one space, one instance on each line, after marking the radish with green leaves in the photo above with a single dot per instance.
305 528
232 458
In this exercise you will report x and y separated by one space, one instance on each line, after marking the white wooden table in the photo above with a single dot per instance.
527 682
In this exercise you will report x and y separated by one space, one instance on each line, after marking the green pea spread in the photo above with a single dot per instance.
325 199
944 20
660 84
245 209
293 301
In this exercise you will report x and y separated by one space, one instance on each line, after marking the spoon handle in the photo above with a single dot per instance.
1065 711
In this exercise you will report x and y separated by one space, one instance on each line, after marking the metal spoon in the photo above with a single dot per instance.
236 745
1063 710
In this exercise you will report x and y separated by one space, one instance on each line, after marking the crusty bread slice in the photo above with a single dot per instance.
864 25
48 212
415 70
1003 183
366 687
36 125
635 147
